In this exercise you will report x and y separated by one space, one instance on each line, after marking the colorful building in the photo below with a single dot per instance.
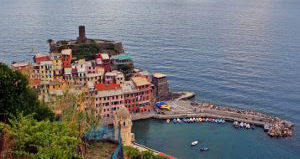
108 99
103 60
66 58
114 77
23 67
137 95
57 65
144 95
46 71
40 57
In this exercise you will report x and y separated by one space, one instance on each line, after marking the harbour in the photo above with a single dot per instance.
242 54
223 140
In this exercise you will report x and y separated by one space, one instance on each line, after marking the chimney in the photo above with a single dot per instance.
81 37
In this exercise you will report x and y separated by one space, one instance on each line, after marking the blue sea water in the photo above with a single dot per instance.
240 53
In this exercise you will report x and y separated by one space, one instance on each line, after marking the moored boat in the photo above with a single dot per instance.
168 121
194 143
204 149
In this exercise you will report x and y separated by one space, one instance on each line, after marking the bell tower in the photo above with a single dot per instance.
123 123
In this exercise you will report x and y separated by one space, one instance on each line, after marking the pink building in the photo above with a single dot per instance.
90 66
137 95
103 60
108 99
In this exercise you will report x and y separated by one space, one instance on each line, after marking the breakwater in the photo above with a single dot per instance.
274 126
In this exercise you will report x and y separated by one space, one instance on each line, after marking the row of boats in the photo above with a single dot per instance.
195 120
237 124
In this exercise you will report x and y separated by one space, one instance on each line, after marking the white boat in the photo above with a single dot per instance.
191 119
248 126
178 120
242 124
168 121
194 143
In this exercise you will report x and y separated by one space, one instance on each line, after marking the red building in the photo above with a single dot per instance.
66 58
103 60
40 57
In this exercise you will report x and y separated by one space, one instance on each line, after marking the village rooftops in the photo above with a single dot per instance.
41 54
121 57
159 75
140 81
113 73
66 51
106 87
109 93
128 86
46 63
105 56
20 64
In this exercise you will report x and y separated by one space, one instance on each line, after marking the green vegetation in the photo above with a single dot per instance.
17 97
40 139
85 50
27 126
134 153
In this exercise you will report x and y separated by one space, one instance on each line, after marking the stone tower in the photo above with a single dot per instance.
82 36
122 122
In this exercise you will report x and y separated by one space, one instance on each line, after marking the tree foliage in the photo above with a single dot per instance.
16 96
41 139
85 50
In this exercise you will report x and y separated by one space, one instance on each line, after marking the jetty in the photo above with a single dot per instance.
273 126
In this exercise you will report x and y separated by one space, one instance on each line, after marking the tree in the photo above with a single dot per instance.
40 139
16 96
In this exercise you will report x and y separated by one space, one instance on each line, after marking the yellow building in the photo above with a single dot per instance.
46 71
57 65
57 87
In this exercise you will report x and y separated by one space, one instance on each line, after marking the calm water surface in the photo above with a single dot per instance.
231 52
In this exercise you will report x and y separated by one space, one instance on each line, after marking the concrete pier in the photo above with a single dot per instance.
274 126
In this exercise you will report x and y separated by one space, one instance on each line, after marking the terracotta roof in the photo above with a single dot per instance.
159 75
106 87
140 81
